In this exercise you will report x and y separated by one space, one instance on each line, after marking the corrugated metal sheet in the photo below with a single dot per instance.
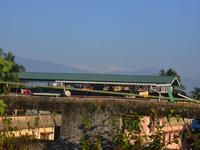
98 78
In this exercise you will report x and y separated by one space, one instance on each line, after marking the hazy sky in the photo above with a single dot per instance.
135 34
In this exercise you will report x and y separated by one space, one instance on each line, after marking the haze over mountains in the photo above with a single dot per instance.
103 69
46 66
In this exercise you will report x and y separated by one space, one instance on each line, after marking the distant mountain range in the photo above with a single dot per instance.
149 71
46 66
103 69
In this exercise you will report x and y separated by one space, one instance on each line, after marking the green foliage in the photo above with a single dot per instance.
195 93
85 121
6 75
193 138
8 140
37 121
8 71
85 144
54 113
132 136
121 139
2 106
28 126
172 114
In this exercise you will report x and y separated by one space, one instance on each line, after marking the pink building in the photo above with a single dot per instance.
168 131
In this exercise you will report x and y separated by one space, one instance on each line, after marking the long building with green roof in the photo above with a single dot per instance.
106 79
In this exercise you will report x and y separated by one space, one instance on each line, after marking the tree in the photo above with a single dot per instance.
15 67
8 71
9 56
195 93
1 52
170 72
18 68
6 75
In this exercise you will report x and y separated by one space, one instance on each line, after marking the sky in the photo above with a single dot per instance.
130 34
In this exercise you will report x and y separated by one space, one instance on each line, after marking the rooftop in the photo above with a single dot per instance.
100 78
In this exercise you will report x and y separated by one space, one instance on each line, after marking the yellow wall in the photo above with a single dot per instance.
116 88
144 93
38 132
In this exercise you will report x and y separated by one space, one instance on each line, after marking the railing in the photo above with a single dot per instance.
104 92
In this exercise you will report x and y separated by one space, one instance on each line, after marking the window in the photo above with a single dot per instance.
158 123
170 137
151 125
131 122
164 137
154 124
183 136
44 137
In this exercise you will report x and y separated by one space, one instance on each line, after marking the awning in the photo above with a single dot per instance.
105 83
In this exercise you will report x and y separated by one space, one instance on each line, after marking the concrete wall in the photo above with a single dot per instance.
72 128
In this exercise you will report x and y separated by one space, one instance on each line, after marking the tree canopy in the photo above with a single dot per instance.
8 70
195 93
169 72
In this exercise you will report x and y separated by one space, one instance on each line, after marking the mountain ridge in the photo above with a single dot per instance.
46 66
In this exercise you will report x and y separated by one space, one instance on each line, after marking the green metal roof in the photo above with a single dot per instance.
98 78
